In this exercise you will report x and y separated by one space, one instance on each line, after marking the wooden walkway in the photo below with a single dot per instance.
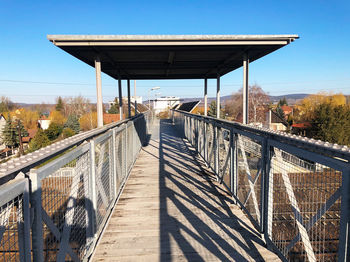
172 209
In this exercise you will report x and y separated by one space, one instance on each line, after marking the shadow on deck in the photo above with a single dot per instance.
172 209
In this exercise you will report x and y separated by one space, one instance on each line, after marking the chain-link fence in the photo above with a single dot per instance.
295 190
71 197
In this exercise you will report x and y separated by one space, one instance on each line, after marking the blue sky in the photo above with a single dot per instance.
33 70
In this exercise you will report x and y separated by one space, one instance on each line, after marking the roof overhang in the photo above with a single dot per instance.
169 56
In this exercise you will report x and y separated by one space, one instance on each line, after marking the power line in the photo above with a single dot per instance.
228 85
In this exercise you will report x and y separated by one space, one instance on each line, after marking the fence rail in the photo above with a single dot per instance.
295 190
70 197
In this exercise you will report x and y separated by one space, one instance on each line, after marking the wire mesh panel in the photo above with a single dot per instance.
306 208
14 233
249 176
67 228
295 192
120 157
224 156
201 137
130 139
104 179
210 145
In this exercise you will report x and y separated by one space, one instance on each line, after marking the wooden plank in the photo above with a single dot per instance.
172 209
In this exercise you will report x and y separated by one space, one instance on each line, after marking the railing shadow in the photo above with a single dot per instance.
188 189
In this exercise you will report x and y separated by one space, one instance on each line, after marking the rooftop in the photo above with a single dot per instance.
169 56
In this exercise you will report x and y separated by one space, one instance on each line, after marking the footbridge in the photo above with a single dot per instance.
187 188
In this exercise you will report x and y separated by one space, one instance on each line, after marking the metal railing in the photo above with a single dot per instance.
58 211
295 190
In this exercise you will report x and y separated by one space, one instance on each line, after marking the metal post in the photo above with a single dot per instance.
343 253
99 92
120 98
205 96
234 164
114 161
135 99
218 96
93 194
216 152
129 102
37 226
268 191
26 223
264 190
245 89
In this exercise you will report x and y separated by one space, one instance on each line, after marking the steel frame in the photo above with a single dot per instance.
331 156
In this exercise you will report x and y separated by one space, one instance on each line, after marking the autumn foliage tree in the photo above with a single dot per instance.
88 121
328 116
28 118
57 117
305 110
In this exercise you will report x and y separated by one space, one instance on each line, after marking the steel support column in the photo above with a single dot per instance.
99 92
129 102
218 96
205 96
120 98
245 89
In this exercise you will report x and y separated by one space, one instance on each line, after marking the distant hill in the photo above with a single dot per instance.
291 98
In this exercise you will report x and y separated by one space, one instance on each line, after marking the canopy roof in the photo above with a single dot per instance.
169 56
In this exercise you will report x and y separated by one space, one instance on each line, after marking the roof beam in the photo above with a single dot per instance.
171 43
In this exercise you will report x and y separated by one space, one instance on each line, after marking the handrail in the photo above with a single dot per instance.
24 163
302 212
319 146
61 208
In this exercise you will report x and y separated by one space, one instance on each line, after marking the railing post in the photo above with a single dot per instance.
205 141
26 222
216 152
264 189
37 228
234 164
268 194
198 136
114 156
93 194
126 150
344 235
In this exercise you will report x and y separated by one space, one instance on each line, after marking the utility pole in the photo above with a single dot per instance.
21 152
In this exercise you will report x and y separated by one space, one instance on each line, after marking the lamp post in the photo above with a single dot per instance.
153 88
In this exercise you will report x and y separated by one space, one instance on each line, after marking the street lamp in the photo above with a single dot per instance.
153 88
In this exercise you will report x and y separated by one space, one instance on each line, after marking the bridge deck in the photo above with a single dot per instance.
172 209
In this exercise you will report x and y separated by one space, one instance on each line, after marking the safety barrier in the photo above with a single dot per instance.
295 190
58 212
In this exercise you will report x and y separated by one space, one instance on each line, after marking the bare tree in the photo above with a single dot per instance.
78 105
258 105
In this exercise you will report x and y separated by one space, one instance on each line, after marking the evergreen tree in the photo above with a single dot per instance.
53 131
282 102
280 112
9 133
212 110
40 140
67 132
73 123
59 105
19 128
114 108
